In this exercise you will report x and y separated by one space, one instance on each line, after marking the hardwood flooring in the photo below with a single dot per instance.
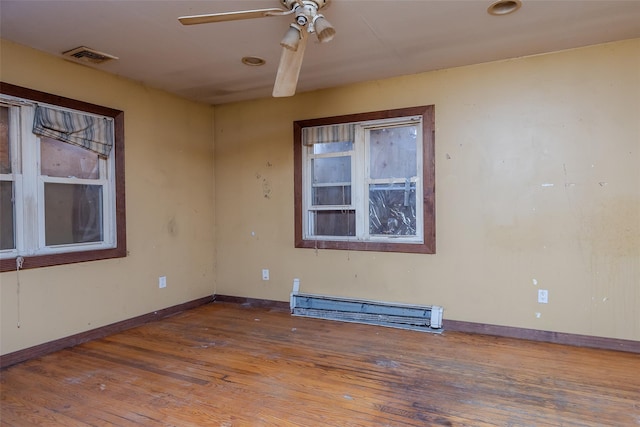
228 365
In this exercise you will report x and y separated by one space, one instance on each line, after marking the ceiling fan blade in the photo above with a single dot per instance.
289 69
230 16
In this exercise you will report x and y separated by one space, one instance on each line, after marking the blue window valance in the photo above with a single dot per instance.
325 134
90 132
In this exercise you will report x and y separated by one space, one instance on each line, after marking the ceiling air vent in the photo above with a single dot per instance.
85 54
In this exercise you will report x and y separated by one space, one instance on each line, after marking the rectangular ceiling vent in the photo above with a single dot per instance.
395 315
85 54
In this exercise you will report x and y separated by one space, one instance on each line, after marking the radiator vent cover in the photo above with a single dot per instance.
85 54
403 316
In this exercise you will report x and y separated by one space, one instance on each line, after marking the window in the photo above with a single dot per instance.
61 180
366 181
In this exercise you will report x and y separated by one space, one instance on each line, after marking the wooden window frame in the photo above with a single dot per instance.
428 244
120 250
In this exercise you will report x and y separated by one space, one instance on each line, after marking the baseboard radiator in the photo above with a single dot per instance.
403 316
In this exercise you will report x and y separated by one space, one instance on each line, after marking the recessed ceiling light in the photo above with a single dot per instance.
504 7
253 61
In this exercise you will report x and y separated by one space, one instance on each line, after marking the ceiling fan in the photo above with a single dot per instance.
306 20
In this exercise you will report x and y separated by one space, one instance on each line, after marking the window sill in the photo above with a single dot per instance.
414 248
61 259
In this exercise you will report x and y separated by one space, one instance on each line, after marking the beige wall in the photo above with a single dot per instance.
537 179
537 183
170 210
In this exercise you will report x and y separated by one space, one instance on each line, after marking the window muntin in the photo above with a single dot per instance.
68 202
384 199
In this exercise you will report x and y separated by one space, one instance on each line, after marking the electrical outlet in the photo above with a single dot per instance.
543 296
162 282
265 274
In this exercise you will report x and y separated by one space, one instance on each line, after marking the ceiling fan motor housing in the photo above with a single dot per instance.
291 4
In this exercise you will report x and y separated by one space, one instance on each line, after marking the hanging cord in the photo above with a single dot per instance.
19 262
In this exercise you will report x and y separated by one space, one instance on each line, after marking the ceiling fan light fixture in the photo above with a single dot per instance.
324 30
504 7
291 38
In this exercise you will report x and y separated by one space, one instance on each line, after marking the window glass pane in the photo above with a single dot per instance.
392 209
393 152
61 159
73 213
7 233
331 170
332 195
333 223
5 148
332 147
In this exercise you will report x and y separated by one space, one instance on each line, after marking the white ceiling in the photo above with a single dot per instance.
375 39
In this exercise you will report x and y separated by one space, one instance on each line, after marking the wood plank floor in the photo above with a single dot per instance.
229 365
